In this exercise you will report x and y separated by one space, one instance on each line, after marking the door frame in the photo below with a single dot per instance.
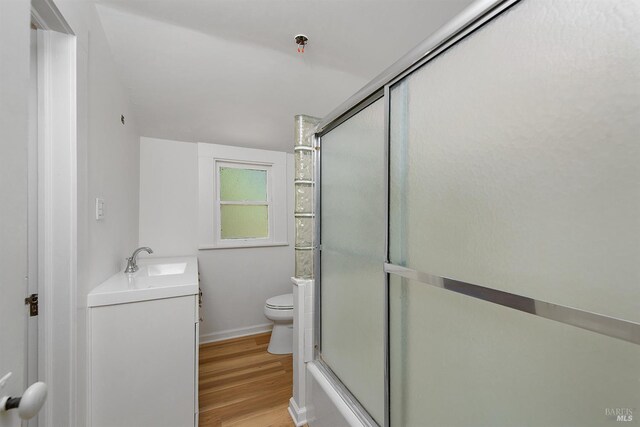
57 213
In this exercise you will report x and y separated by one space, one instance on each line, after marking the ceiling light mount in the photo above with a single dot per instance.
301 41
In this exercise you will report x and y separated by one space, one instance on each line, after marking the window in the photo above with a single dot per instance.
242 197
243 202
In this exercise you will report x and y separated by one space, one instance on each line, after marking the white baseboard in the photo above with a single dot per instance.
235 333
298 415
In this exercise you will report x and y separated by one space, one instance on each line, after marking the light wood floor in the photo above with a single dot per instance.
243 385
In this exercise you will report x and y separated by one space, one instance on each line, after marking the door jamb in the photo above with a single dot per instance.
57 213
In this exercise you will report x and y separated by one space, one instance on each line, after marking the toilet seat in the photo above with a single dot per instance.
280 302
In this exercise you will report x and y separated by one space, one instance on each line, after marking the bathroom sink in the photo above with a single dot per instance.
156 278
166 269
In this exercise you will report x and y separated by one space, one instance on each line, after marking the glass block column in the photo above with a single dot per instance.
304 189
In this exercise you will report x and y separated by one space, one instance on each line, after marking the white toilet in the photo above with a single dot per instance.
280 310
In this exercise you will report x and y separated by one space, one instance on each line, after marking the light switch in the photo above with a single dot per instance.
99 209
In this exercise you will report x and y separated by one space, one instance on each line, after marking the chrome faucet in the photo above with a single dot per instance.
132 267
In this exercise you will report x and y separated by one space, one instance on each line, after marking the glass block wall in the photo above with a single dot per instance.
304 189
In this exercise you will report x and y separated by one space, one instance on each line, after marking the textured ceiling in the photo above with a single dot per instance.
227 71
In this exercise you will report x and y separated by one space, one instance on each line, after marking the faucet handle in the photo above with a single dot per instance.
131 266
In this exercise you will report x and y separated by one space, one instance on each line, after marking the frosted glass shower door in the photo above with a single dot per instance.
515 166
353 224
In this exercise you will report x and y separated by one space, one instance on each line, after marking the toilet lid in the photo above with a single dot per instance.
281 301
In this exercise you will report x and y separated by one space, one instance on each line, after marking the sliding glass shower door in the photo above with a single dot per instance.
353 232
505 170
515 224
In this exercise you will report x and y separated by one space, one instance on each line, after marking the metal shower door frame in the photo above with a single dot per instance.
468 21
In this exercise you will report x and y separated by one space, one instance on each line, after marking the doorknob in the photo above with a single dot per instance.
29 403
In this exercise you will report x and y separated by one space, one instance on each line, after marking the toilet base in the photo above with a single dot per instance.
281 338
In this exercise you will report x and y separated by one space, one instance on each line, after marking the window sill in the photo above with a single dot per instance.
241 246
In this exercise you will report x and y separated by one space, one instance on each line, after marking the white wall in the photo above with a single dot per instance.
108 167
235 282
168 197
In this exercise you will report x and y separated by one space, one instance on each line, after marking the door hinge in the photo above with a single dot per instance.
32 302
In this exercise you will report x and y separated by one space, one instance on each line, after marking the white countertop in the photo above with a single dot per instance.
156 278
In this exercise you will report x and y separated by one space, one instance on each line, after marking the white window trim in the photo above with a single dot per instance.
210 158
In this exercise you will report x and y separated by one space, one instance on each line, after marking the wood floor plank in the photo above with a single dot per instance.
231 350
232 378
242 385
252 380
272 417
242 361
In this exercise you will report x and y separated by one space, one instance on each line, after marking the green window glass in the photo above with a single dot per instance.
244 205
238 184
244 221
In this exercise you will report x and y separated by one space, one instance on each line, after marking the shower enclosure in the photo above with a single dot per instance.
478 224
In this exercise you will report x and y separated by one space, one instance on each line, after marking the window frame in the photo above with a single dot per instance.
279 181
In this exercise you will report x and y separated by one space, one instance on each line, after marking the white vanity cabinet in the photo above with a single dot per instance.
143 348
